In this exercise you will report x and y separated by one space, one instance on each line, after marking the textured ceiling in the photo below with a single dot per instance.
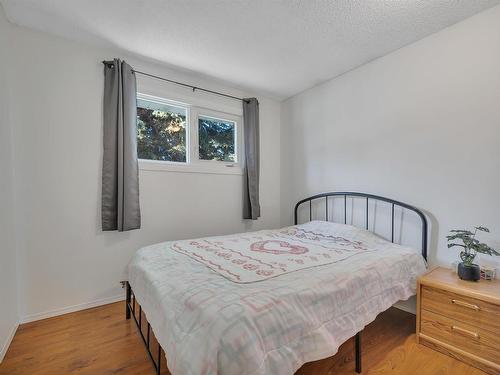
279 47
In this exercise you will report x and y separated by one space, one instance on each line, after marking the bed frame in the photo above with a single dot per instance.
367 197
131 303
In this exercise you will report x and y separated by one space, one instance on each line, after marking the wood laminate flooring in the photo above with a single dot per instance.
100 341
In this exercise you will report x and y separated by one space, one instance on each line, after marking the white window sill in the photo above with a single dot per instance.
163 166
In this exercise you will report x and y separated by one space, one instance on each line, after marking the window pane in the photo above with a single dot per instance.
217 139
161 131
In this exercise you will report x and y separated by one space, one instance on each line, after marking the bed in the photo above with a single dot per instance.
267 302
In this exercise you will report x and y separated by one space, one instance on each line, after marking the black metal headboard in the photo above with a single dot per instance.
368 197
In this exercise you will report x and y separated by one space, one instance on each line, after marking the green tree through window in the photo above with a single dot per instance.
216 139
161 131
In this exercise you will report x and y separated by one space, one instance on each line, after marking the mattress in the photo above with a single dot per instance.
210 324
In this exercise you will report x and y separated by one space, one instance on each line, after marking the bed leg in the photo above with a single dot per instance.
357 344
158 368
127 301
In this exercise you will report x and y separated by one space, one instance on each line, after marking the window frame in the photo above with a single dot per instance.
193 163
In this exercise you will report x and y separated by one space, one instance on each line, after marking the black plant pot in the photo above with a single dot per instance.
471 273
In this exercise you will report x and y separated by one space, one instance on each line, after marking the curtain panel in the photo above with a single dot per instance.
120 172
251 205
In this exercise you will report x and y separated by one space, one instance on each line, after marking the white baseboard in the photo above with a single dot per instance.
6 345
70 309
57 312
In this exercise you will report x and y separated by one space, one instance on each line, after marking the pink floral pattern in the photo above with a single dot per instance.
257 256
283 247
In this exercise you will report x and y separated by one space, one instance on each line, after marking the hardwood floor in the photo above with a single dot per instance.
100 341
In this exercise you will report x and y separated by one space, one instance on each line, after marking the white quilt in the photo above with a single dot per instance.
256 256
208 324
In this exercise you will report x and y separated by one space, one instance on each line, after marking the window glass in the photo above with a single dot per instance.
161 131
216 139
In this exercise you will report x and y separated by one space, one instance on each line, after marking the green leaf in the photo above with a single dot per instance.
463 231
471 245
458 235
455 244
467 257
483 229
485 249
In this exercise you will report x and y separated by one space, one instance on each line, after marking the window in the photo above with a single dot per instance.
182 137
216 139
161 131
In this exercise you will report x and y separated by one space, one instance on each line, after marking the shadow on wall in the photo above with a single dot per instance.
433 237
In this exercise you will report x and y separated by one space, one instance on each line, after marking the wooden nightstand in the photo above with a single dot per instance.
460 318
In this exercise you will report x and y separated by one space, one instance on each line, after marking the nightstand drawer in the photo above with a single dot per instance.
465 309
463 336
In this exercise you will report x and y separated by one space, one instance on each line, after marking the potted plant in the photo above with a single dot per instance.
467 270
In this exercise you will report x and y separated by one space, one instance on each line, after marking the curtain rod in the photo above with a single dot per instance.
110 63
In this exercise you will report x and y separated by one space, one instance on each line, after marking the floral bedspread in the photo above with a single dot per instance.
257 256
209 325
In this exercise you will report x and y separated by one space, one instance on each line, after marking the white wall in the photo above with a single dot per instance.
8 283
65 260
406 126
421 125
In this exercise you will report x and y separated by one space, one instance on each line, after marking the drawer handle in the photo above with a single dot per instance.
465 304
465 331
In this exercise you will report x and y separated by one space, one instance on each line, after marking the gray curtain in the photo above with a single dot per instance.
120 179
251 205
